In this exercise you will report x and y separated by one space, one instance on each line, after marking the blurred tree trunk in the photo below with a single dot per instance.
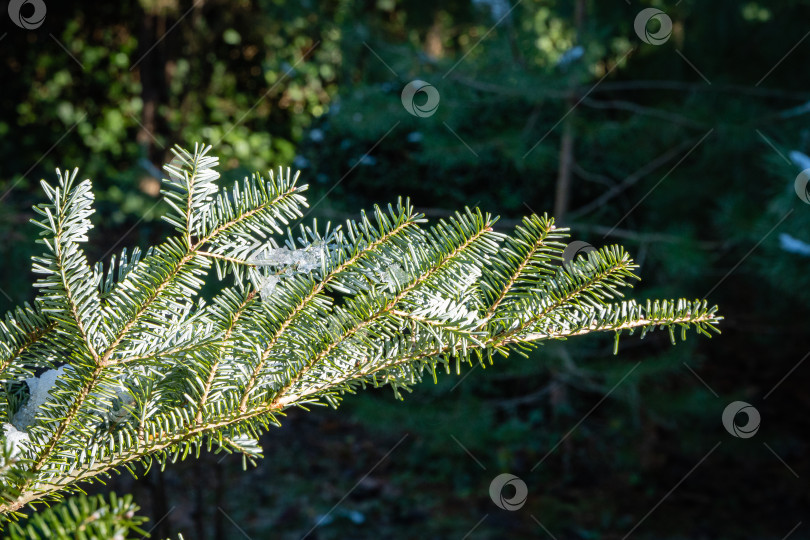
566 155
434 46
154 91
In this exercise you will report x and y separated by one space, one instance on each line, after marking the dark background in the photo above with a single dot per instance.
684 152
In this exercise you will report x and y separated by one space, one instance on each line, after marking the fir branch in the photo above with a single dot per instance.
82 517
517 255
483 227
608 270
405 220
66 299
19 332
234 319
175 270
154 373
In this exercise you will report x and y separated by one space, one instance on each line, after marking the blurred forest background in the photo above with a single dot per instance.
684 151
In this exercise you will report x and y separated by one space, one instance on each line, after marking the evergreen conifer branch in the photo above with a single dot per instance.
82 517
21 331
147 370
